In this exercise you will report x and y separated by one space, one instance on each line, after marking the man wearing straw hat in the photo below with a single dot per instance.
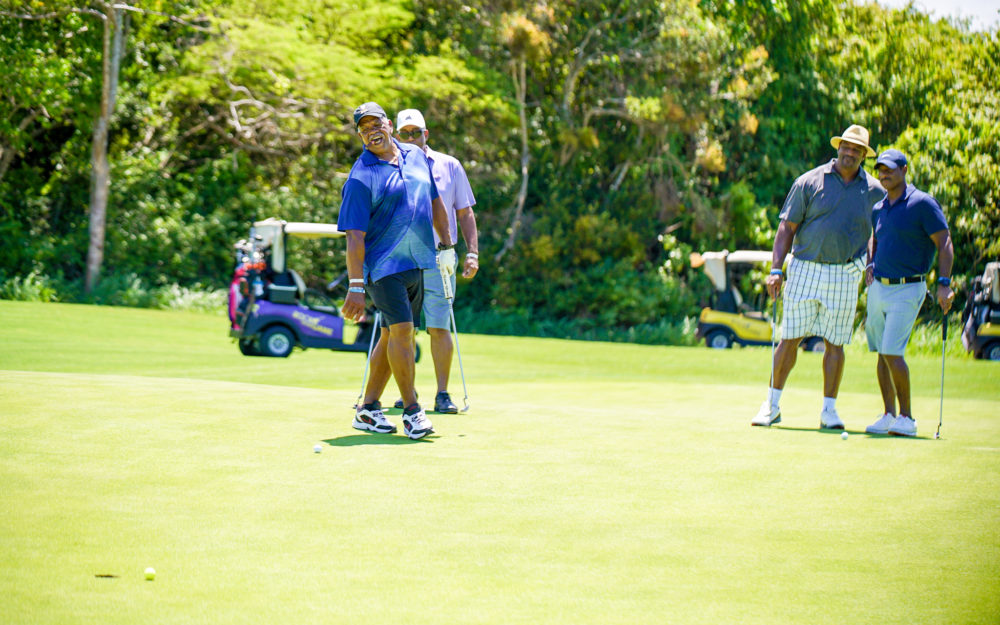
825 223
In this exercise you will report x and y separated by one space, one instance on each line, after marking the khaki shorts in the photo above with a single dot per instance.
892 310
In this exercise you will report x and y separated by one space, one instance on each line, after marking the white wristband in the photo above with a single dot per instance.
356 281
472 255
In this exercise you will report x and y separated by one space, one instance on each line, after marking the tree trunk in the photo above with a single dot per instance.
521 86
100 179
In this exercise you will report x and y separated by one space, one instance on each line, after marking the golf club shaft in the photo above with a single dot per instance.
450 296
774 330
458 350
371 345
944 338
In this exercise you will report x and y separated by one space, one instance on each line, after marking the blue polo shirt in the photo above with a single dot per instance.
391 204
903 230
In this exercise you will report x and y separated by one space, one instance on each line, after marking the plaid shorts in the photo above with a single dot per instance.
820 300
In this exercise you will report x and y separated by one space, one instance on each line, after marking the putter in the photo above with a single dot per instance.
944 337
450 296
774 318
371 345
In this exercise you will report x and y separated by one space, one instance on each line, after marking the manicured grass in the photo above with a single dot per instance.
590 483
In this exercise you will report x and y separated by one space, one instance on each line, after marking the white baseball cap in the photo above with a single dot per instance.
410 117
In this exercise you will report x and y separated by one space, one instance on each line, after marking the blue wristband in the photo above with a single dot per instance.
355 289
944 281
777 272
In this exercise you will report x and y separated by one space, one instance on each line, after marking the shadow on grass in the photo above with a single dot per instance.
849 432
373 439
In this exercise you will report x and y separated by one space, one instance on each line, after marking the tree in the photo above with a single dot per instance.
112 16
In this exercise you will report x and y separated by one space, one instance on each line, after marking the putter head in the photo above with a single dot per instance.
466 409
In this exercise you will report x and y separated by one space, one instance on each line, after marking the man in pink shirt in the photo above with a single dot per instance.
453 186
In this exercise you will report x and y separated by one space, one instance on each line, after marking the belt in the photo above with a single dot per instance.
906 280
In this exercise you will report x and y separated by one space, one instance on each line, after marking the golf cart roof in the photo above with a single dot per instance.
272 234
301 229
715 263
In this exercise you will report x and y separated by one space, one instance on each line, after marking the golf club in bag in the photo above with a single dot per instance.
450 296
944 338
371 345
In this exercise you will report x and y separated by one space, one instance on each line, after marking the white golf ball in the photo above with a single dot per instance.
844 436
150 574
317 448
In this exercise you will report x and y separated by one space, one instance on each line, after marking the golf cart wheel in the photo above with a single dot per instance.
814 344
719 339
248 348
992 351
277 342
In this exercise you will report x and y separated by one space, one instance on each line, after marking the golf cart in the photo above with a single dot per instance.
270 309
729 318
981 316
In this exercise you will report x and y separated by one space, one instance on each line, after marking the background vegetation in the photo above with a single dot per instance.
605 140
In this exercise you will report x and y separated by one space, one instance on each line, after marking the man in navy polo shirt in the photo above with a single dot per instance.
908 227
389 211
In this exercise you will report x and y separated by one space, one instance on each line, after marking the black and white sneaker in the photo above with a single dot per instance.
443 404
415 422
371 419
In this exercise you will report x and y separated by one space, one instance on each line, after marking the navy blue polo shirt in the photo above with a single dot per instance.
391 204
903 230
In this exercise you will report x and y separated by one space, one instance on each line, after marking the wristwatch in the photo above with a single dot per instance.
943 281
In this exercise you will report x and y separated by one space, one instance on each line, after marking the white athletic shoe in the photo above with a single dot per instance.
417 425
371 418
768 415
882 425
903 426
828 420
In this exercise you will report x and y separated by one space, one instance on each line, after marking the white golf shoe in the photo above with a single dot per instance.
371 418
828 420
768 415
417 425
882 425
903 426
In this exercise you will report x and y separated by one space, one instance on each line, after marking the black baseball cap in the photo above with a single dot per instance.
368 109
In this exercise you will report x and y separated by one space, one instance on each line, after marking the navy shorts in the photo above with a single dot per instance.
399 297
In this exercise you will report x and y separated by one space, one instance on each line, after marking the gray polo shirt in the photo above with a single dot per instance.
834 219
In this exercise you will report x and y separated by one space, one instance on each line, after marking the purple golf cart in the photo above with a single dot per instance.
270 309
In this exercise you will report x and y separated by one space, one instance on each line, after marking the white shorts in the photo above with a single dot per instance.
820 300
437 313
892 310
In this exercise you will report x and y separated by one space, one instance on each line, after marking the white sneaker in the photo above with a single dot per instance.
417 425
882 425
828 420
768 415
903 426
371 418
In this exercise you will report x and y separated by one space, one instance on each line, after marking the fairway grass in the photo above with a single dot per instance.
590 483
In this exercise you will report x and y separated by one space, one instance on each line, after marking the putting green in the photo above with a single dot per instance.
589 483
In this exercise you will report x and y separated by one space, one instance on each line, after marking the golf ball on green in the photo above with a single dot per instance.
844 435
317 448
150 574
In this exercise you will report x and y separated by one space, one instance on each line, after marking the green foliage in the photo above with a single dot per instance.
654 130
32 287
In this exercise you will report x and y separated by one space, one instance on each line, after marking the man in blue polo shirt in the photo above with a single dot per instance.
389 211
908 226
